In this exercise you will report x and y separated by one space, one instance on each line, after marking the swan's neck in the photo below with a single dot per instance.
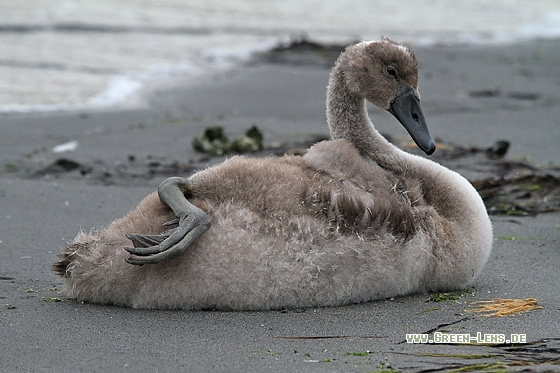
348 119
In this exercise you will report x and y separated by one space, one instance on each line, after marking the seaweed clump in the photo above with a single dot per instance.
214 142
521 195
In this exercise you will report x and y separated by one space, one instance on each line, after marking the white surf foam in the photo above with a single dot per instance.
68 55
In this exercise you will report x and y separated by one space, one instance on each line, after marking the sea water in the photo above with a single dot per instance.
86 54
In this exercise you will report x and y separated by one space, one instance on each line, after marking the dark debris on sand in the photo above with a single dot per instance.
301 51
536 356
528 194
507 187
130 171
215 142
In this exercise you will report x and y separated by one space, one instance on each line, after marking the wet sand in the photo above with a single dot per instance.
471 97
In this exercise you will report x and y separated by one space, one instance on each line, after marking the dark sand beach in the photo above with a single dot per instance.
472 97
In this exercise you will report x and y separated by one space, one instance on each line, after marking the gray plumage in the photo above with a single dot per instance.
353 220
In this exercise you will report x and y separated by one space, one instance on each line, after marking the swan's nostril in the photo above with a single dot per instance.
415 117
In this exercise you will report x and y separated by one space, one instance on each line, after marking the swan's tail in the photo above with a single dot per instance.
83 246
66 258
93 269
61 266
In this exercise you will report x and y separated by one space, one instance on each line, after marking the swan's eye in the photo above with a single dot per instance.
391 71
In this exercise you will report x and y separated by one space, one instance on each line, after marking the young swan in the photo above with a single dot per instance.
353 220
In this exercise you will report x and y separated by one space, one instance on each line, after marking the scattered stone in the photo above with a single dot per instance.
69 146
529 96
499 149
495 92
60 165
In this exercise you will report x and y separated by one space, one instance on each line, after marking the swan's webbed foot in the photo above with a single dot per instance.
191 222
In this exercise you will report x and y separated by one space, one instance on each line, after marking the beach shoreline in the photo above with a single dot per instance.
472 96
66 54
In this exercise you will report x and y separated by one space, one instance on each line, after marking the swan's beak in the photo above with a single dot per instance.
406 108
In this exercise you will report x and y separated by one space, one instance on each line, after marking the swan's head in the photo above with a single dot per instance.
386 74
